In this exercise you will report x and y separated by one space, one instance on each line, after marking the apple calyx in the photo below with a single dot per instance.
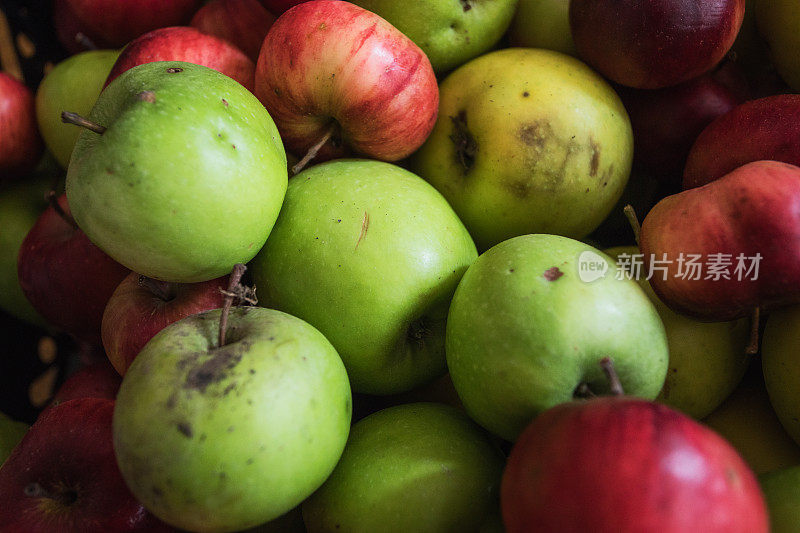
314 150
466 147
65 498
236 291
633 220
73 118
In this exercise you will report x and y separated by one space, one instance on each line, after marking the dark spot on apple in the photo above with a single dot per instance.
535 134
223 475
519 188
466 147
234 146
595 163
322 26
172 401
215 367
250 461
228 389
147 96
230 429
174 70
418 331
526 94
185 429
552 274
252 371
466 5
202 437
510 270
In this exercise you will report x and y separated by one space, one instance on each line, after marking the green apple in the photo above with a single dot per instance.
214 438
421 467
449 32
777 22
543 24
187 179
530 322
707 360
11 432
782 494
369 254
746 420
780 359
528 141
72 85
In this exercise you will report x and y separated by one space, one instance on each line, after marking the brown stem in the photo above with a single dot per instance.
74 118
755 321
159 289
233 282
633 220
9 60
613 379
52 199
314 150
83 40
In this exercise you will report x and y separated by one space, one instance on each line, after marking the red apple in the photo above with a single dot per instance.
741 233
243 23
112 23
654 44
67 279
63 476
767 128
141 307
183 43
97 380
618 465
330 69
20 143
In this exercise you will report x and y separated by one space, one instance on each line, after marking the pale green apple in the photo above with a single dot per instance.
11 432
782 494
780 360
450 32
777 22
369 254
214 438
543 24
706 359
746 420
188 178
528 141
73 85
530 323
421 467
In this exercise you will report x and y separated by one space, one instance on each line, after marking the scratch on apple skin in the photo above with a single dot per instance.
364 228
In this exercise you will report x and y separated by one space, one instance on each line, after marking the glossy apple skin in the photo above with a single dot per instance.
753 210
649 45
69 453
134 314
97 380
183 43
327 63
244 23
67 279
20 143
625 465
113 23
767 128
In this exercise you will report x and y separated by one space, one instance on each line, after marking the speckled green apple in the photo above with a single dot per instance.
450 32
369 254
72 85
187 179
413 467
527 141
529 325
216 438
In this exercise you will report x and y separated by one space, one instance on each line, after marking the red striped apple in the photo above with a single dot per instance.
243 23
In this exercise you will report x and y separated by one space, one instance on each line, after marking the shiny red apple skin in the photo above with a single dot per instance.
113 23
68 453
96 380
20 143
329 63
753 210
184 43
67 279
657 43
619 465
243 23
134 313
767 128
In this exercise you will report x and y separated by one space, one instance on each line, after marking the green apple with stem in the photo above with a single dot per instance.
543 24
179 174
782 493
412 467
72 85
780 360
230 418
11 432
369 254
706 359
449 32
530 322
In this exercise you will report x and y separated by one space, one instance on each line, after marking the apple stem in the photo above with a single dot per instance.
52 199
755 322
633 220
613 379
9 60
83 40
159 289
230 294
74 118
314 150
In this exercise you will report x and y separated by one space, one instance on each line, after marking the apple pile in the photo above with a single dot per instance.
376 266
